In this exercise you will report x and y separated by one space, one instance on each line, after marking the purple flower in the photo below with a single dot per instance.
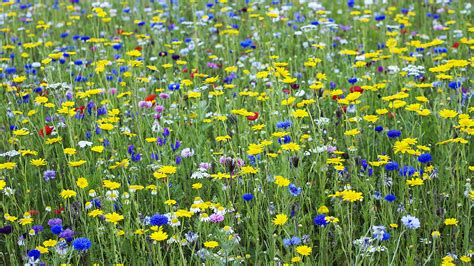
67 234
216 218
49 174
55 221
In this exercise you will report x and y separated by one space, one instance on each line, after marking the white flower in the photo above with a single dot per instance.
84 143
187 152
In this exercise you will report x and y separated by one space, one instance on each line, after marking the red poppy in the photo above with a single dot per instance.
286 91
47 130
33 212
138 48
150 98
253 117
356 88
59 211
391 115
120 31
80 109
336 97
456 45
195 71
185 70
344 108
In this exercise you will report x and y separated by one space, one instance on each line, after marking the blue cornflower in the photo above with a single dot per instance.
159 219
454 84
176 145
320 220
34 253
173 87
136 157
295 240
246 43
284 140
407 171
391 166
283 124
286 242
352 80
379 128
294 190
81 243
377 195
411 222
247 197
390 198
394 133
379 17
425 158
131 149
56 229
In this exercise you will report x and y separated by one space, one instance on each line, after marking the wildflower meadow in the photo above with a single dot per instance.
246 132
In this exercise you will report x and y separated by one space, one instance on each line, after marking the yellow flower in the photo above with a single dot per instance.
290 146
41 100
352 132
414 182
113 217
282 181
280 219
211 244
67 193
50 243
295 259
255 149
95 213
299 113
167 169
26 221
447 113
42 249
465 259
451 221
351 195
106 127
70 151
435 234
184 213
111 184
38 162
248 170
77 163
170 202
2 184
323 209
304 250
82 182
195 186
371 118
8 165
97 149
159 235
